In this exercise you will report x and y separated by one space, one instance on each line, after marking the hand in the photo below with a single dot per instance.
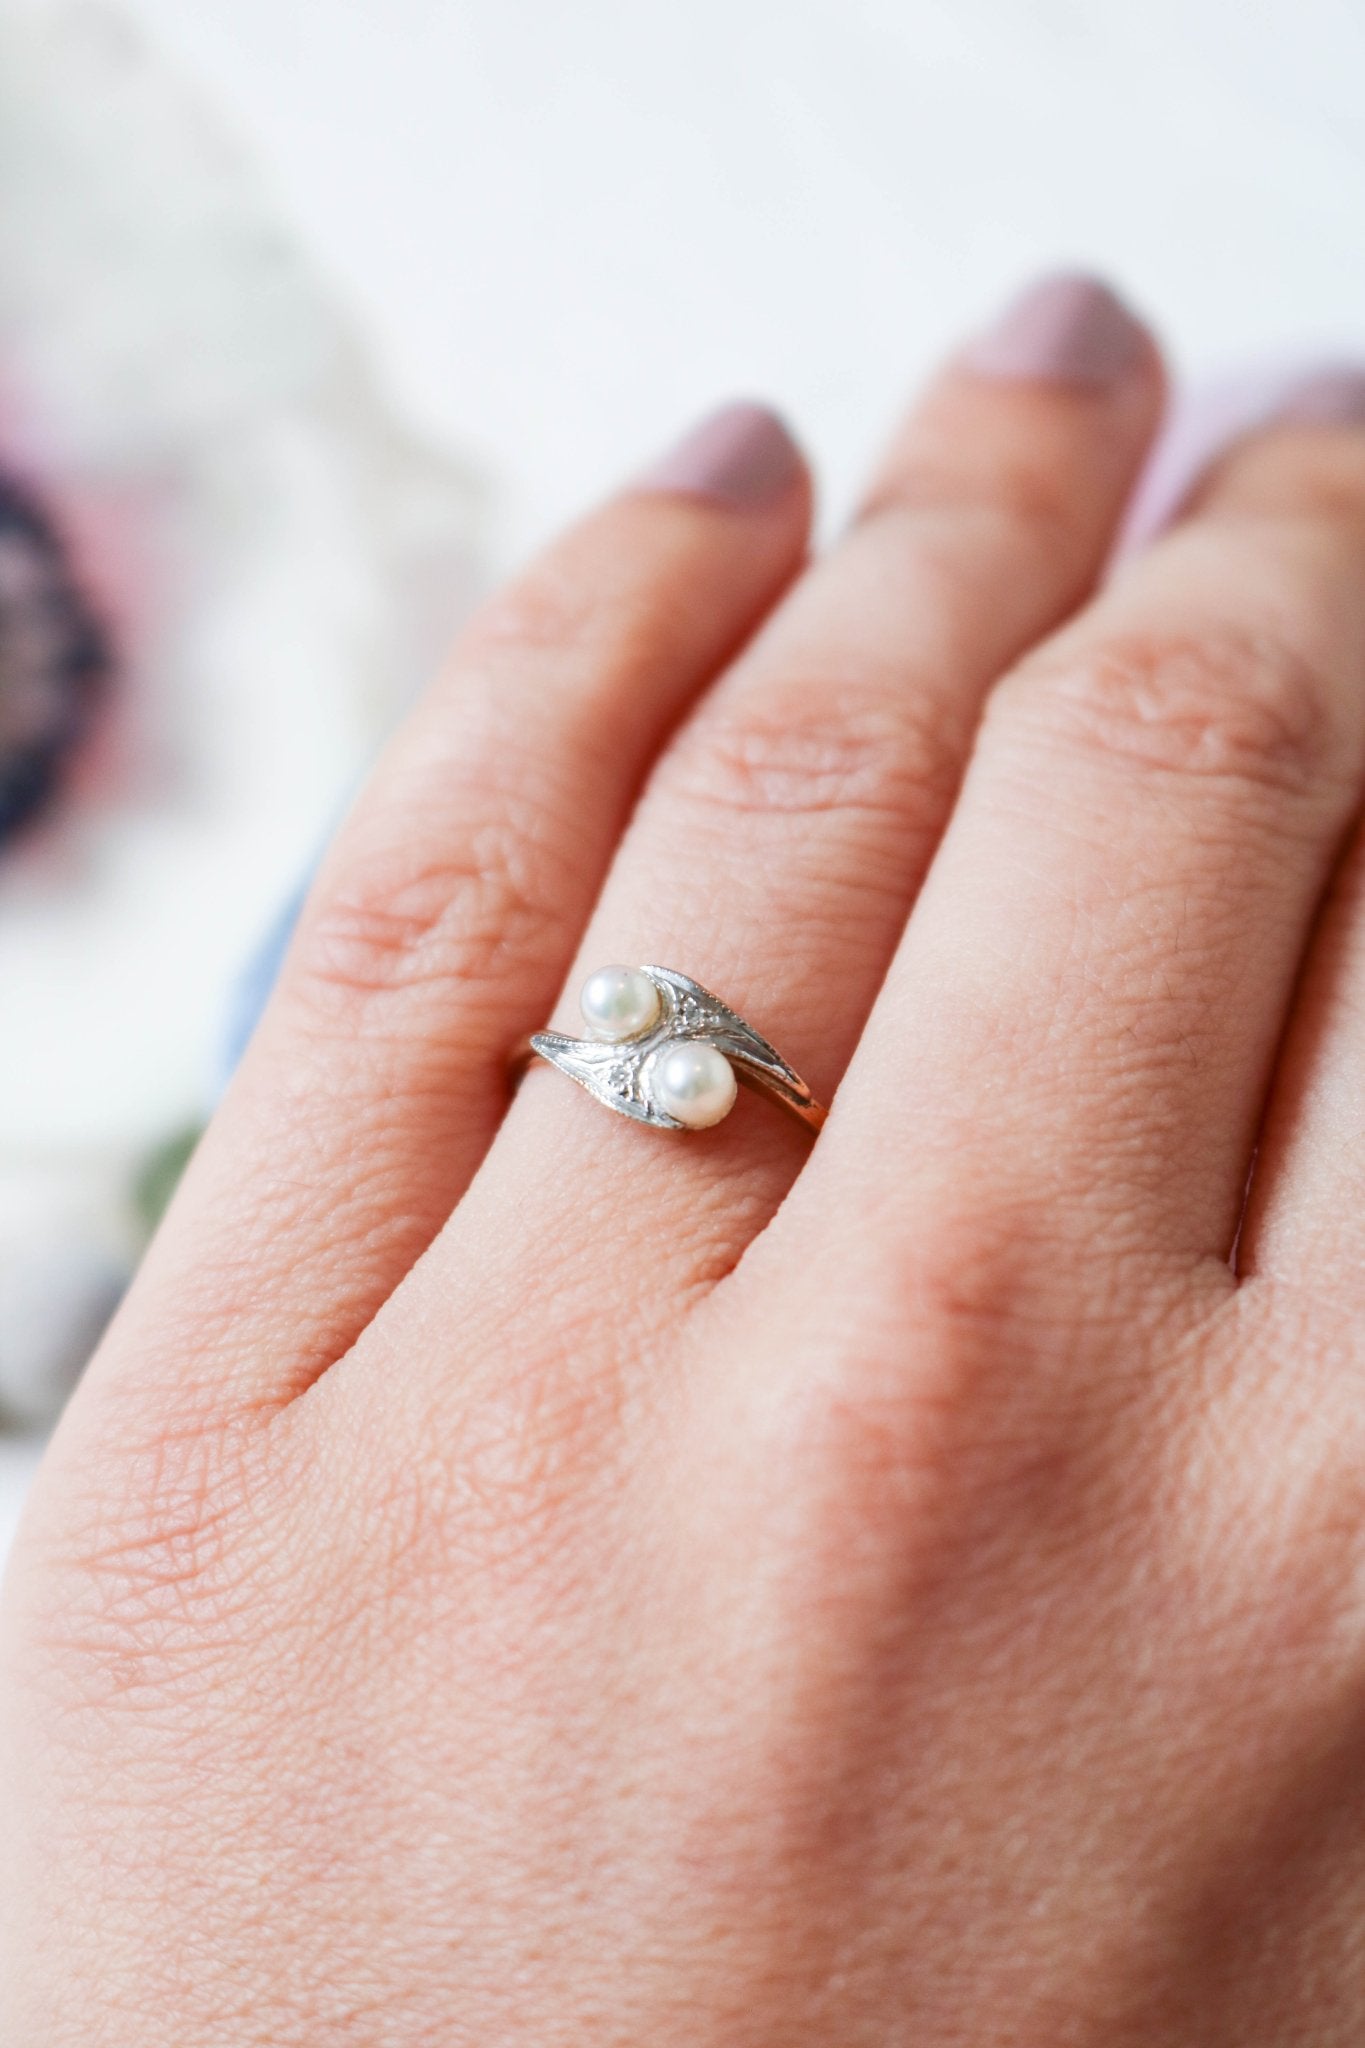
518 1577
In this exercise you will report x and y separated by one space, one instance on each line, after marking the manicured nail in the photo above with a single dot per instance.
1329 398
741 456
1062 330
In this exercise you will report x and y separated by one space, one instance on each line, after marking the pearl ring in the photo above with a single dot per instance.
664 1050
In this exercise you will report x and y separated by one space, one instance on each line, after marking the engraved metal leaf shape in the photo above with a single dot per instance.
618 1074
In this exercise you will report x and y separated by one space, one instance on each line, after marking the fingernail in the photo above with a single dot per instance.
742 456
1329 398
1062 330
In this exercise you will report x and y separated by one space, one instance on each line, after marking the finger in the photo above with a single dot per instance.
782 836
1305 1221
1084 1015
445 915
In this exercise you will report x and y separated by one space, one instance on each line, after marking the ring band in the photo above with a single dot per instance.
663 1050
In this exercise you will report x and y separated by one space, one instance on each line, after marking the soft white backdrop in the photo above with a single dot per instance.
566 226
571 223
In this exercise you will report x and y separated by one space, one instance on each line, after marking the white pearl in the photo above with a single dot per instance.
694 1082
619 1003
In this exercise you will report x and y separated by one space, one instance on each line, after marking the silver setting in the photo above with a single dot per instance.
618 1074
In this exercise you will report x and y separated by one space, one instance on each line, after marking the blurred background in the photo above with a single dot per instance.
315 315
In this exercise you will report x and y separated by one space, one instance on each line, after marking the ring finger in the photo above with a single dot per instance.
1098 975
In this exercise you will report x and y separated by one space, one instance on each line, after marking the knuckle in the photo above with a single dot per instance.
509 1488
1233 706
816 745
929 1380
573 626
155 1576
409 917
1016 499
1289 1520
1287 480
981 1365
548 606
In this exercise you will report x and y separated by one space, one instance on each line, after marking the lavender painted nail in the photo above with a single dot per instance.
1063 330
742 456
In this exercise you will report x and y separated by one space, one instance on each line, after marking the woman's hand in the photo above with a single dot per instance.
519 1577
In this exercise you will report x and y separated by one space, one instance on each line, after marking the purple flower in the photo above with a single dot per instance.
54 657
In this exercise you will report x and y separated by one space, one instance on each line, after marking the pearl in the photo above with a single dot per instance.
619 1003
694 1082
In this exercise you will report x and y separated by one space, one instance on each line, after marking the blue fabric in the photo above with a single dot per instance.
252 989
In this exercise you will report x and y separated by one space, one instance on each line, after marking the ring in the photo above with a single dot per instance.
663 1050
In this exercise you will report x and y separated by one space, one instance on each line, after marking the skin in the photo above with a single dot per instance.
509 1577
